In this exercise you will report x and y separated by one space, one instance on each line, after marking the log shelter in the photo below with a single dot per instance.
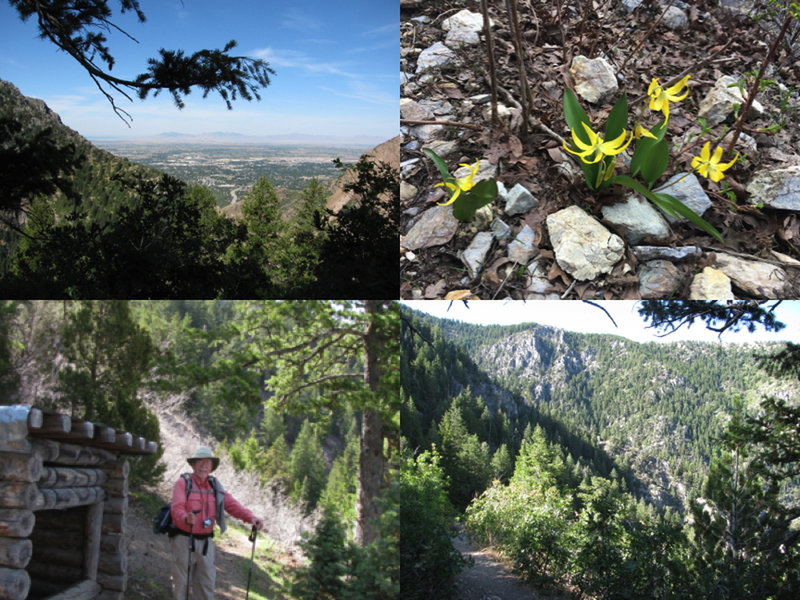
63 506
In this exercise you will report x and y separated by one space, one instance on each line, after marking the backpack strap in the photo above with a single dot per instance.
187 478
219 499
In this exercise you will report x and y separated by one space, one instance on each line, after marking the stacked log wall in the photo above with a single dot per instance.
63 506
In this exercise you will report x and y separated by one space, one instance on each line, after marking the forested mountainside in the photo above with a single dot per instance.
653 412
600 468
76 221
203 369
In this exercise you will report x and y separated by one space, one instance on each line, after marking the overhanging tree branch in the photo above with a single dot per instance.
73 27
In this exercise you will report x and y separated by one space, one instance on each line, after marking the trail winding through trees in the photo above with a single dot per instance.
488 578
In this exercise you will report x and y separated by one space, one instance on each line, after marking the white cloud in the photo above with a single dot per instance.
299 21
366 92
301 60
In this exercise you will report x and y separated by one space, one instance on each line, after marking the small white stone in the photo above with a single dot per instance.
583 247
711 284
595 80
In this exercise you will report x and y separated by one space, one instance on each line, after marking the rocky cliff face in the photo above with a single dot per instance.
387 152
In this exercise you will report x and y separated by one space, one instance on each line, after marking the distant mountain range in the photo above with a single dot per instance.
234 138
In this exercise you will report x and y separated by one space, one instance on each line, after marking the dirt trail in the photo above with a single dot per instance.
149 563
488 578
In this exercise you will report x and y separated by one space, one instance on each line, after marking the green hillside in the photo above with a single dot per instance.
572 454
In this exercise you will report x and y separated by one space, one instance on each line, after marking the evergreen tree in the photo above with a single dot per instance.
340 491
740 527
321 579
321 356
9 378
360 251
307 467
502 465
107 358
429 563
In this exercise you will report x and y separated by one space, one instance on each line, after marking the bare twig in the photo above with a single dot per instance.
487 29
524 89
444 123
596 305
751 94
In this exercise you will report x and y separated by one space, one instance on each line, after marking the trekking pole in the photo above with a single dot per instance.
189 566
252 538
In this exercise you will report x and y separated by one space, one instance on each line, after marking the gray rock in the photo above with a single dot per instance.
758 279
676 18
686 188
426 133
486 170
519 200
658 279
720 100
583 247
409 167
739 6
646 253
407 191
594 79
437 107
437 55
779 188
475 254
711 284
435 227
523 247
442 149
637 220
500 229
456 37
631 5
539 287
414 111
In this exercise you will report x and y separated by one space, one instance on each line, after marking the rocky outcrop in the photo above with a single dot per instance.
387 152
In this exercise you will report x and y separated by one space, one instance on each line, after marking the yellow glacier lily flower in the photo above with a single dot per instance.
462 184
596 146
708 166
642 132
660 98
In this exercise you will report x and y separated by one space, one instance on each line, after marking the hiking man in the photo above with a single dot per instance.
193 518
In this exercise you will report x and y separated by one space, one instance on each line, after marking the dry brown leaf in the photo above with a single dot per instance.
435 290
461 295
491 272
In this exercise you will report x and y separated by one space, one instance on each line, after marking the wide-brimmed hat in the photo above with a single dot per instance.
204 452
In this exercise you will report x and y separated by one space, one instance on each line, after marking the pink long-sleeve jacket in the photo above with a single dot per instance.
201 498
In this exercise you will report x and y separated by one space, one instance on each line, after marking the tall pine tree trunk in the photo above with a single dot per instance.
370 460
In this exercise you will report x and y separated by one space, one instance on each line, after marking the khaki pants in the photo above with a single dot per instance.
203 571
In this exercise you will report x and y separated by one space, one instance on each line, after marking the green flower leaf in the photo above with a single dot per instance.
656 162
645 146
440 164
617 119
480 195
575 115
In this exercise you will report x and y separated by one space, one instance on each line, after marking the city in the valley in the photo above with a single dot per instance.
229 170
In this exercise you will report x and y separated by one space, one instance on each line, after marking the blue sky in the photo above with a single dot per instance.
335 63
585 318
